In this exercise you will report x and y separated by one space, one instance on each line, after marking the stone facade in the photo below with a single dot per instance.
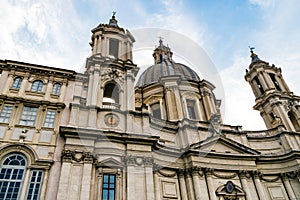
96 135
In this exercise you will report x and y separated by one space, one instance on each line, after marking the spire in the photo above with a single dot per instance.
113 21
253 56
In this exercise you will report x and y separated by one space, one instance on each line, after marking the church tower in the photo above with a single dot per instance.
274 100
110 68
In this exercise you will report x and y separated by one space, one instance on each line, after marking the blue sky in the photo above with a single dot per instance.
56 33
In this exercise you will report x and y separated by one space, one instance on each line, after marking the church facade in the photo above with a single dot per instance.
107 134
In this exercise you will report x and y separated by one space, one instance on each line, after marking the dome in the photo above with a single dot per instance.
166 68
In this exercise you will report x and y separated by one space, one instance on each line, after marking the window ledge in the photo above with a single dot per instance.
54 96
14 90
35 93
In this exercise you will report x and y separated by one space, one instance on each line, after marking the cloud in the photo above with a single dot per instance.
43 32
276 41
239 98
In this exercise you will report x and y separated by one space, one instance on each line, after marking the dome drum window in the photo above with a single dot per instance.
191 109
155 110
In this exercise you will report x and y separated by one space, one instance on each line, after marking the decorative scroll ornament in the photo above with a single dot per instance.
165 174
230 176
112 74
138 160
77 156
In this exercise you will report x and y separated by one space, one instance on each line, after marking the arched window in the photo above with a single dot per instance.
56 89
294 121
111 93
17 83
37 86
275 82
11 176
260 88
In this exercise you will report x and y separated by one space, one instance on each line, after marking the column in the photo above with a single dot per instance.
196 183
156 185
49 87
118 185
183 191
259 186
207 104
243 177
44 185
169 107
63 187
178 103
268 80
190 188
90 88
262 80
7 83
63 91
23 85
95 89
211 190
288 187
86 180
149 182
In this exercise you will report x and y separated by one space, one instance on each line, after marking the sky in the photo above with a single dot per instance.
57 33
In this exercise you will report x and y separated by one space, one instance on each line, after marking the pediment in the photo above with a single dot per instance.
110 162
221 144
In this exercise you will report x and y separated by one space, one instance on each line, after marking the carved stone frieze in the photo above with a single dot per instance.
138 160
77 156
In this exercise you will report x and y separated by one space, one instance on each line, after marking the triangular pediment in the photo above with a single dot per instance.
221 144
110 162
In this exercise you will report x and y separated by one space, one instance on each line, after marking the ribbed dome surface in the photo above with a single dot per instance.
166 68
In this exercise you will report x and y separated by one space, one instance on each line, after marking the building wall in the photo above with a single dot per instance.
36 136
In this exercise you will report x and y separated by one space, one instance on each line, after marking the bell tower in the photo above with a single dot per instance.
273 99
110 68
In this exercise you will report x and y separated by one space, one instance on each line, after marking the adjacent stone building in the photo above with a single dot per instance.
104 135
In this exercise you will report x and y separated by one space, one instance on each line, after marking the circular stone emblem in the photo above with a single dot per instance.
111 120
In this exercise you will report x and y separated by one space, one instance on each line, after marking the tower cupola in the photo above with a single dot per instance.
162 53
274 100
111 40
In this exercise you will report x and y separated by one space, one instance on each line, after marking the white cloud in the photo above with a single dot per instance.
42 32
239 98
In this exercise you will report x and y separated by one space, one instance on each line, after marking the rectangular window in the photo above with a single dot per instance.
50 119
35 185
108 187
191 109
155 109
28 116
5 113
114 47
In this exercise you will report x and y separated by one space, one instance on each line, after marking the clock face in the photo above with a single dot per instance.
111 120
